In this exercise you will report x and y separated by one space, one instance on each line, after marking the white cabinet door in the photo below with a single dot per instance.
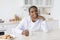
39 3
49 3
8 27
52 24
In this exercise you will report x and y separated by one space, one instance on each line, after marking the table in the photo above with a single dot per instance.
53 35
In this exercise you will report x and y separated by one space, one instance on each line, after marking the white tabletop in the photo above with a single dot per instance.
53 35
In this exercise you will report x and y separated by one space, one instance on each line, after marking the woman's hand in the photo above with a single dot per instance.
41 17
25 32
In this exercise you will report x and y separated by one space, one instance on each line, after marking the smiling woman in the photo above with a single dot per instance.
33 22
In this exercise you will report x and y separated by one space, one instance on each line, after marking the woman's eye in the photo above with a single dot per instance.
32 12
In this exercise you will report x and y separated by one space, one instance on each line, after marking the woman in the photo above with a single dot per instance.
32 23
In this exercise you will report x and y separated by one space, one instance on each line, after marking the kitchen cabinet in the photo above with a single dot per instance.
39 3
52 24
8 26
44 6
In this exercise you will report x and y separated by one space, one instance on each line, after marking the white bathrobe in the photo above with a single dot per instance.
27 24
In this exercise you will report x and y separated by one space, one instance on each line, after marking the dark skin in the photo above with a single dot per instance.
34 16
25 32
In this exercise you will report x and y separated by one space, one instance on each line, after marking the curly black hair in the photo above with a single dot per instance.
33 7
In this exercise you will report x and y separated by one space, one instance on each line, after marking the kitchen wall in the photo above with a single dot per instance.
10 7
56 10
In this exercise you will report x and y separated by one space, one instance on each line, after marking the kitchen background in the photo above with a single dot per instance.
49 9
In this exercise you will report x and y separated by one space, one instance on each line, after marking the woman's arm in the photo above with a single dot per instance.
44 26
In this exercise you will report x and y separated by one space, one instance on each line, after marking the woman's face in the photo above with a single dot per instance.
33 13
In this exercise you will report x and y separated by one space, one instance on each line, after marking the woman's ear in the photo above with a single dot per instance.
41 17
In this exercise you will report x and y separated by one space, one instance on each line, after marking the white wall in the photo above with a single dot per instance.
9 7
56 10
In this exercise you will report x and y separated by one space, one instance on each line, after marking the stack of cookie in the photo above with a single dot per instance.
6 37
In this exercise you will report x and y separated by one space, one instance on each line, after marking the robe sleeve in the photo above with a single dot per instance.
19 28
44 26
